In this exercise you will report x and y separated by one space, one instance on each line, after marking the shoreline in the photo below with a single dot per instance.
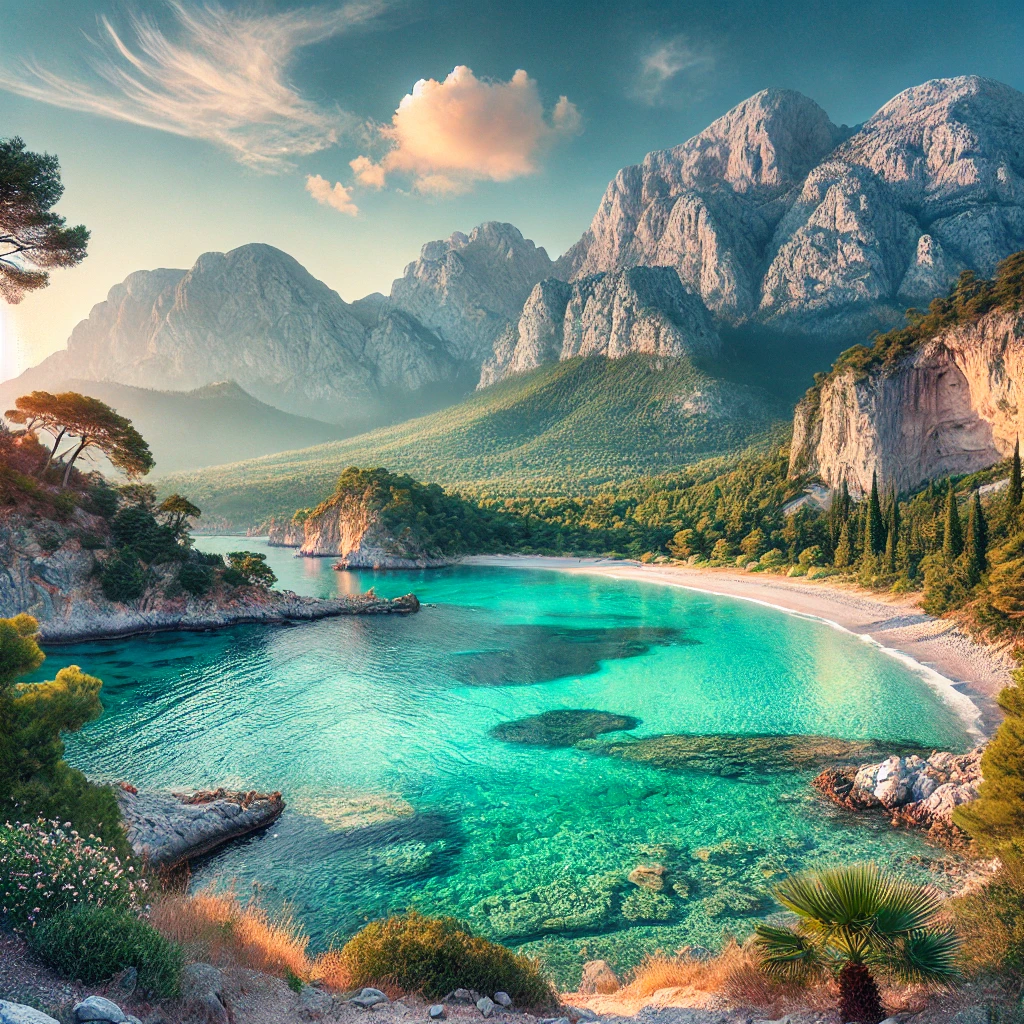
963 670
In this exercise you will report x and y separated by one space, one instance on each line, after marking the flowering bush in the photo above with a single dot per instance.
46 867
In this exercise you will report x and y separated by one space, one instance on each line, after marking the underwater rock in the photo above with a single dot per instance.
734 899
562 728
648 876
563 906
644 905
731 756
405 860
348 810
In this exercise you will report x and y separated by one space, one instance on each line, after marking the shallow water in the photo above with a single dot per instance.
378 731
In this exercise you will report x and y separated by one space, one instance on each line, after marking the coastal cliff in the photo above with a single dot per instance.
51 570
914 408
380 520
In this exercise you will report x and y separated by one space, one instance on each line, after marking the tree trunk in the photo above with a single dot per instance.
67 472
53 451
859 999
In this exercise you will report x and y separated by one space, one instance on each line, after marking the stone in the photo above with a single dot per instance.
502 999
96 1008
216 1011
598 978
562 728
314 1003
369 997
18 1013
554 1020
485 1006
461 996
198 979
649 876
580 1013
437 1012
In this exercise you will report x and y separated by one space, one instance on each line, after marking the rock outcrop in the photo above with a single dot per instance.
954 405
642 310
286 533
168 829
775 215
922 792
47 572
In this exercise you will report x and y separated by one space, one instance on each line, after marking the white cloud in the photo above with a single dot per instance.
448 135
220 76
668 64
335 195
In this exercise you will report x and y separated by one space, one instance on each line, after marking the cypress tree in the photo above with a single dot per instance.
844 554
1014 490
892 537
977 541
953 534
996 818
874 524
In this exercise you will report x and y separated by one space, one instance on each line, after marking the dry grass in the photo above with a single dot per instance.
330 968
218 928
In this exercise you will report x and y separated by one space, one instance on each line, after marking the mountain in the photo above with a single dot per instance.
643 310
562 428
775 216
256 316
943 395
210 425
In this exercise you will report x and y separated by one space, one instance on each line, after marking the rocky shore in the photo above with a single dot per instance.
168 829
919 792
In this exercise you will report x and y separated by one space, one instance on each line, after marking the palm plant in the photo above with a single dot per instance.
857 923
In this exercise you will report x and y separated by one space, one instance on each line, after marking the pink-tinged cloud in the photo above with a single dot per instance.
448 135
336 196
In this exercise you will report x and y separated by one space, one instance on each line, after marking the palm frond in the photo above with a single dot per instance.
906 907
836 897
786 955
922 956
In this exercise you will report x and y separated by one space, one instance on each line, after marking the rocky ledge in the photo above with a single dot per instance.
167 829
919 792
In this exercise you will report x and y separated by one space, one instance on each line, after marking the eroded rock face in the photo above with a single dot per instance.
774 214
918 791
166 829
952 406
286 533
45 572
643 310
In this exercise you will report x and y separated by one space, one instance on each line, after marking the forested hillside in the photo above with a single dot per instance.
564 429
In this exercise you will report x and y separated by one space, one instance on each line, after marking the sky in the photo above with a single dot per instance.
350 133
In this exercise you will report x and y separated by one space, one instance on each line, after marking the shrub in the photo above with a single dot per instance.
46 869
65 503
251 568
436 955
195 578
136 531
94 943
122 578
991 923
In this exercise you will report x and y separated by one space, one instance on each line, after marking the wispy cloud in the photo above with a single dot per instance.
448 135
667 66
336 195
213 74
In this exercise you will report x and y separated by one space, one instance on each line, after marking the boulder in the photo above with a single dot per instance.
96 1008
598 978
485 1006
502 998
437 1012
369 997
18 1013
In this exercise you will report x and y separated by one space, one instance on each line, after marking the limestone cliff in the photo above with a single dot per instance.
952 405
48 569
643 310
380 520
775 215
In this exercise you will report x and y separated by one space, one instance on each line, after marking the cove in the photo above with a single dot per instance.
381 734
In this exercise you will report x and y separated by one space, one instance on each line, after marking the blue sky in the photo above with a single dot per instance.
194 126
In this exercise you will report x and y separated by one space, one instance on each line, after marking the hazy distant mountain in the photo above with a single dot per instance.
776 216
189 429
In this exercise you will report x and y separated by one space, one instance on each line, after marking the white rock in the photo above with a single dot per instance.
17 1013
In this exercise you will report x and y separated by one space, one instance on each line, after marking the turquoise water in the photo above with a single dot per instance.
377 731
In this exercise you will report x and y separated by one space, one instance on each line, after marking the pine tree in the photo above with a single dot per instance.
874 524
996 818
977 541
953 534
1014 490
844 554
893 533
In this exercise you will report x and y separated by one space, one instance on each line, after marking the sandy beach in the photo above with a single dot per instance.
947 657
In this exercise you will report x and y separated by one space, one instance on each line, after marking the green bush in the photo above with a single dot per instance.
122 578
94 943
249 568
195 578
436 956
136 531
64 504
46 869
991 923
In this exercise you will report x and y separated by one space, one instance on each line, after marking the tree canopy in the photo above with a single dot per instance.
33 239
